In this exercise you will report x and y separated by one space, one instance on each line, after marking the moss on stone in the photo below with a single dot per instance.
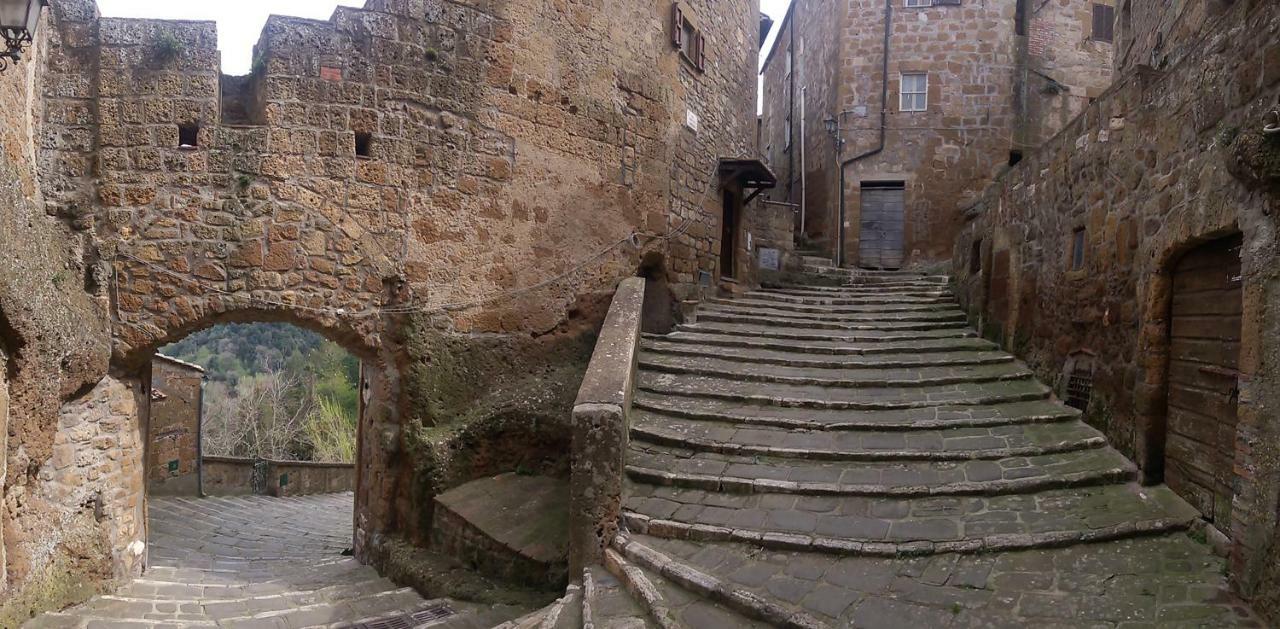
60 586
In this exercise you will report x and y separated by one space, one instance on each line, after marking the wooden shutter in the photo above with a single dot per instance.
1104 17
700 53
677 26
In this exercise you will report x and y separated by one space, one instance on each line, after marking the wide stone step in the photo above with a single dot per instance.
729 473
863 376
794 307
865 398
912 357
920 418
671 605
607 604
876 316
833 336
878 324
774 296
875 526
942 444
851 292
711 335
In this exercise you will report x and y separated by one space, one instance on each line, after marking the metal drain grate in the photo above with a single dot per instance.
1079 388
409 620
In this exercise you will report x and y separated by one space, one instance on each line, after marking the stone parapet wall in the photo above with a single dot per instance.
235 476
1160 163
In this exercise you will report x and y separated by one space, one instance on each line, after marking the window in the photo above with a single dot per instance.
787 135
686 38
975 257
790 61
915 92
1104 17
364 144
918 3
1077 249
188 135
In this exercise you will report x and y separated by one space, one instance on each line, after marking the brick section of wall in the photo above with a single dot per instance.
173 427
1160 163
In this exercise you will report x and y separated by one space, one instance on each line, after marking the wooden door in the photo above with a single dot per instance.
1203 381
728 234
882 226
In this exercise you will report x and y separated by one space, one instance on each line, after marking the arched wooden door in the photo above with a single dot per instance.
1204 356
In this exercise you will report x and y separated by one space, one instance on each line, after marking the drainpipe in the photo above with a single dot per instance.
200 440
804 190
791 98
884 113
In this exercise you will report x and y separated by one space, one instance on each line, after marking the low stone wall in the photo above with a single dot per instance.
600 424
232 476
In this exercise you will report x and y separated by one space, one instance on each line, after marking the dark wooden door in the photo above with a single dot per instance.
1203 382
882 227
728 234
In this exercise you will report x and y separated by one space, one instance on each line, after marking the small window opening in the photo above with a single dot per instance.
914 92
188 135
1080 387
364 144
975 257
1015 156
1104 17
1077 249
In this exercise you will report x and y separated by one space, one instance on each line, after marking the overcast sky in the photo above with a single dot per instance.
240 21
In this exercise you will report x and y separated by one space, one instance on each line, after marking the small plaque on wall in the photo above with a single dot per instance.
770 259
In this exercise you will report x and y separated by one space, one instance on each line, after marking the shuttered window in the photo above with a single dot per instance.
1104 19
686 38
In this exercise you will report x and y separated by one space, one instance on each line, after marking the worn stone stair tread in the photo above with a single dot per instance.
905 526
937 445
919 418
299 596
832 336
731 473
711 337
818 306
669 604
817 396
787 357
714 603
844 290
882 324
834 376
606 603
846 315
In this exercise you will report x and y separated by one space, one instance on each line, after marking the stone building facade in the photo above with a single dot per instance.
1133 260
173 427
450 190
985 82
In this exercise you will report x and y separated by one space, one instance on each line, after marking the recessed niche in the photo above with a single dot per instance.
364 144
188 136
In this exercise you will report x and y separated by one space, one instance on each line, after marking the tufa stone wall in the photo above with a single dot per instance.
173 427
423 182
1159 164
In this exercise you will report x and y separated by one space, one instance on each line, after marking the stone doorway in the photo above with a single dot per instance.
728 234
1204 344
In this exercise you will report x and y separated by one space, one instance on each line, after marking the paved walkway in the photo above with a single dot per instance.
852 455
256 561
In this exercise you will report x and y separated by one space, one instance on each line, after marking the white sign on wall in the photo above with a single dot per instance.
691 120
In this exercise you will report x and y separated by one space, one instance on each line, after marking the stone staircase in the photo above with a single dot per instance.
848 453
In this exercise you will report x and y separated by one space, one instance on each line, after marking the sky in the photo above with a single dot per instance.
774 9
240 21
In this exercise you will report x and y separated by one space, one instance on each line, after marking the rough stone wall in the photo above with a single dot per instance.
1160 163
1065 68
815 63
173 427
513 149
1159 35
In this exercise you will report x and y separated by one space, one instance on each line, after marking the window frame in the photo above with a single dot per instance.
903 93
917 4
694 50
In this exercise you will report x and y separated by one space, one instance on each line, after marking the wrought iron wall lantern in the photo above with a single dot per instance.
18 21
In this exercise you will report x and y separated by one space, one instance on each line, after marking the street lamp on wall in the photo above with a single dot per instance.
18 21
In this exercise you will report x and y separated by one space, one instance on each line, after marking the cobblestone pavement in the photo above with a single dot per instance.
256 561
852 455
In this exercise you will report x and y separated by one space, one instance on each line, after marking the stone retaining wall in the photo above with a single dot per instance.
233 476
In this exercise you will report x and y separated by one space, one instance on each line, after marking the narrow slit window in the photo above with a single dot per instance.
188 135
915 92
1077 249
364 144
975 257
